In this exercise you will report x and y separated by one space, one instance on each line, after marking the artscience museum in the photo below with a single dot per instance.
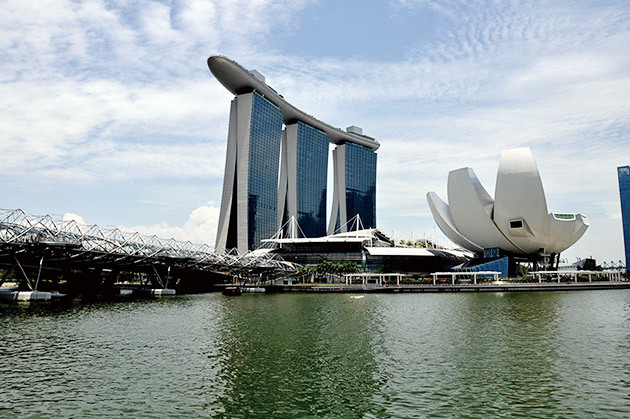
515 223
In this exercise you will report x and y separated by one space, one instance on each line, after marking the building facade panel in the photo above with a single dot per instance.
338 212
303 180
624 195
283 184
250 187
361 184
229 184
238 236
354 187
263 156
311 180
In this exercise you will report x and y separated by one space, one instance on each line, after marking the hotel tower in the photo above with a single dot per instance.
277 164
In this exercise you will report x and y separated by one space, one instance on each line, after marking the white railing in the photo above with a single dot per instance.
611 275
495 275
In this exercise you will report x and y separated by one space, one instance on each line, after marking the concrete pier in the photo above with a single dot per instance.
162 291
25 295
34 296
254 289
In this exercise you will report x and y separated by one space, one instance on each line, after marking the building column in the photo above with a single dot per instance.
229 178
338 213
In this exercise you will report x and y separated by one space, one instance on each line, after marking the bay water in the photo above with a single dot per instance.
545 354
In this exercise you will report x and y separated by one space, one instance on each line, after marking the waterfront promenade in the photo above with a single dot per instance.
498 286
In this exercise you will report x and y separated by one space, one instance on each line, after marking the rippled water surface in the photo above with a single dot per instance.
559 354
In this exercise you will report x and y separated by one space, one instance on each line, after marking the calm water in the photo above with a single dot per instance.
555 354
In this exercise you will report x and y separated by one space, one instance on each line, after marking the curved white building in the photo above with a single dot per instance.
516 221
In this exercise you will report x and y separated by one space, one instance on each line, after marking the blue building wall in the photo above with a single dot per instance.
264 155
500 265
361 184
624 195
312 172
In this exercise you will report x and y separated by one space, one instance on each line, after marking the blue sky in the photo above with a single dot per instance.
108 110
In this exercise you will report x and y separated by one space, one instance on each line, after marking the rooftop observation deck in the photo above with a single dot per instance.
239 80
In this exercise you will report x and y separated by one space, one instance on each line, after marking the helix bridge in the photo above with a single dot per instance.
33 247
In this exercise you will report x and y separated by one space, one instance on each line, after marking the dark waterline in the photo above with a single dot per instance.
555 354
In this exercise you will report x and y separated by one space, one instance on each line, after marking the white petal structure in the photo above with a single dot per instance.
516 221
471 207
520 208
443 217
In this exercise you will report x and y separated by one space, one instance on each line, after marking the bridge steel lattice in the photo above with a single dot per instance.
30 245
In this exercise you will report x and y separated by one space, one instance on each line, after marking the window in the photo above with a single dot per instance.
264 152
361 184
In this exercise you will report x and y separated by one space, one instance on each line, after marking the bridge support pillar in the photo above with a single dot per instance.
6 274
109 281
164 290
86 282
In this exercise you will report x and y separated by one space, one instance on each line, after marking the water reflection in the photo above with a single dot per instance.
483 355
139 358
503 348
475 355
301 355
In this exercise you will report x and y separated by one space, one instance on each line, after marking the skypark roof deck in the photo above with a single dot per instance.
239 80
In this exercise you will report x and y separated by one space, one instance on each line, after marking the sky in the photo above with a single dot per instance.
109 114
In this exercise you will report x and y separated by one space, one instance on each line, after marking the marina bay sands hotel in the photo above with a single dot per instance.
277 165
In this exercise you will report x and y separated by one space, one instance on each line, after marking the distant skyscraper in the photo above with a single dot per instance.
303 178
624 194
250 185
354 190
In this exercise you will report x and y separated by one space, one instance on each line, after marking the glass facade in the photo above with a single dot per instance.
499 265
264 155
361 184
311 180
624 195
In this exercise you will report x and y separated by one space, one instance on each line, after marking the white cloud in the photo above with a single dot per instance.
87 78
199 228
73 217
94 128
